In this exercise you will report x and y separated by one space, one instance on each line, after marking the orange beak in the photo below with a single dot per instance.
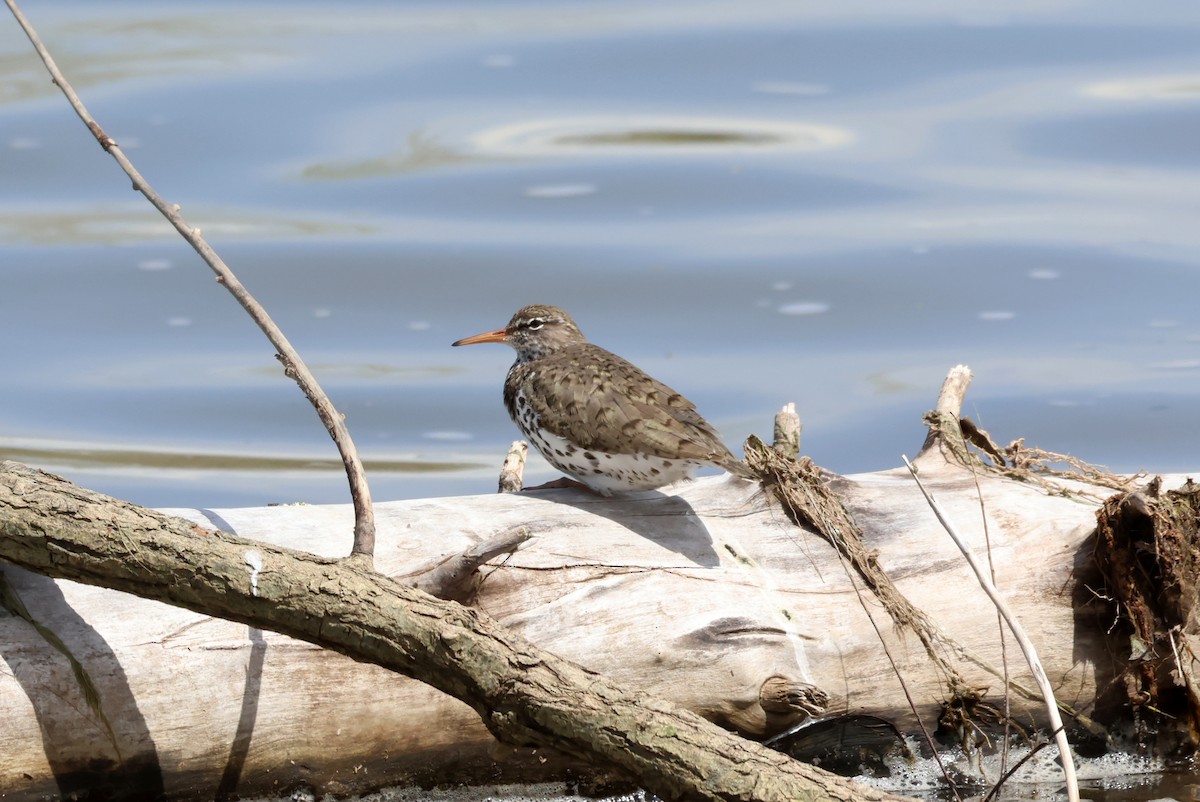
496 336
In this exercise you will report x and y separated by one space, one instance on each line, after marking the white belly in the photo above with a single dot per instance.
609 473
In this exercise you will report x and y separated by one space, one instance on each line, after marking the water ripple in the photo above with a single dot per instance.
657 136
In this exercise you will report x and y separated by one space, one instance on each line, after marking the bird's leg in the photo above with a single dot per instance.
562 483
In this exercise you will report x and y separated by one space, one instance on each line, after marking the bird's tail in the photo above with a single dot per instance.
738 468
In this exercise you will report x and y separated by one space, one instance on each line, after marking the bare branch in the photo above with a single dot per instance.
456 576
293 365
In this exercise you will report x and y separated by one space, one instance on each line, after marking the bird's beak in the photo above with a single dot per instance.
496 336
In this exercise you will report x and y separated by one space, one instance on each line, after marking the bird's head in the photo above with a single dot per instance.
533 332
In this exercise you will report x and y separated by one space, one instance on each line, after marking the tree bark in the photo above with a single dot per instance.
524 695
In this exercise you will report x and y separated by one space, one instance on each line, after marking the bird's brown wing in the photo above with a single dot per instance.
599 401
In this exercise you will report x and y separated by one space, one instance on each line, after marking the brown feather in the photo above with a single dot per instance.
596 400
567 390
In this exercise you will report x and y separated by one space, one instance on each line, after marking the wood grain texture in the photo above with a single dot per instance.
315 713
707 596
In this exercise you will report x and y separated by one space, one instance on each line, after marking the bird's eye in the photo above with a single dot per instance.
535 324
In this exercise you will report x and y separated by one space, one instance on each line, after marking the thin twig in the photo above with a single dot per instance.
1014 625
987 541
1015 768
1000 628
293 365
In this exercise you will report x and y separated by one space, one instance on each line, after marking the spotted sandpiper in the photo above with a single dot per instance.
597 417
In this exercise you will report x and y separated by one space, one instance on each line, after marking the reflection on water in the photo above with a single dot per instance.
70 224
1108 777
422 152
1171 87
91 457
654 136
618 134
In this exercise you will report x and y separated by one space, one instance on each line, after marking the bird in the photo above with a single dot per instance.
596 417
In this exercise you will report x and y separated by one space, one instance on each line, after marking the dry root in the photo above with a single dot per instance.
1148 550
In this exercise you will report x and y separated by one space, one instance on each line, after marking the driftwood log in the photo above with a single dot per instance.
710 596
344 726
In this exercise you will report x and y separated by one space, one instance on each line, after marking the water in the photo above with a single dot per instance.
758 202
830 203
1112 778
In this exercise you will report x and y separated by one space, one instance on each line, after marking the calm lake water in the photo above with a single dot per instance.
759 202
830 203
